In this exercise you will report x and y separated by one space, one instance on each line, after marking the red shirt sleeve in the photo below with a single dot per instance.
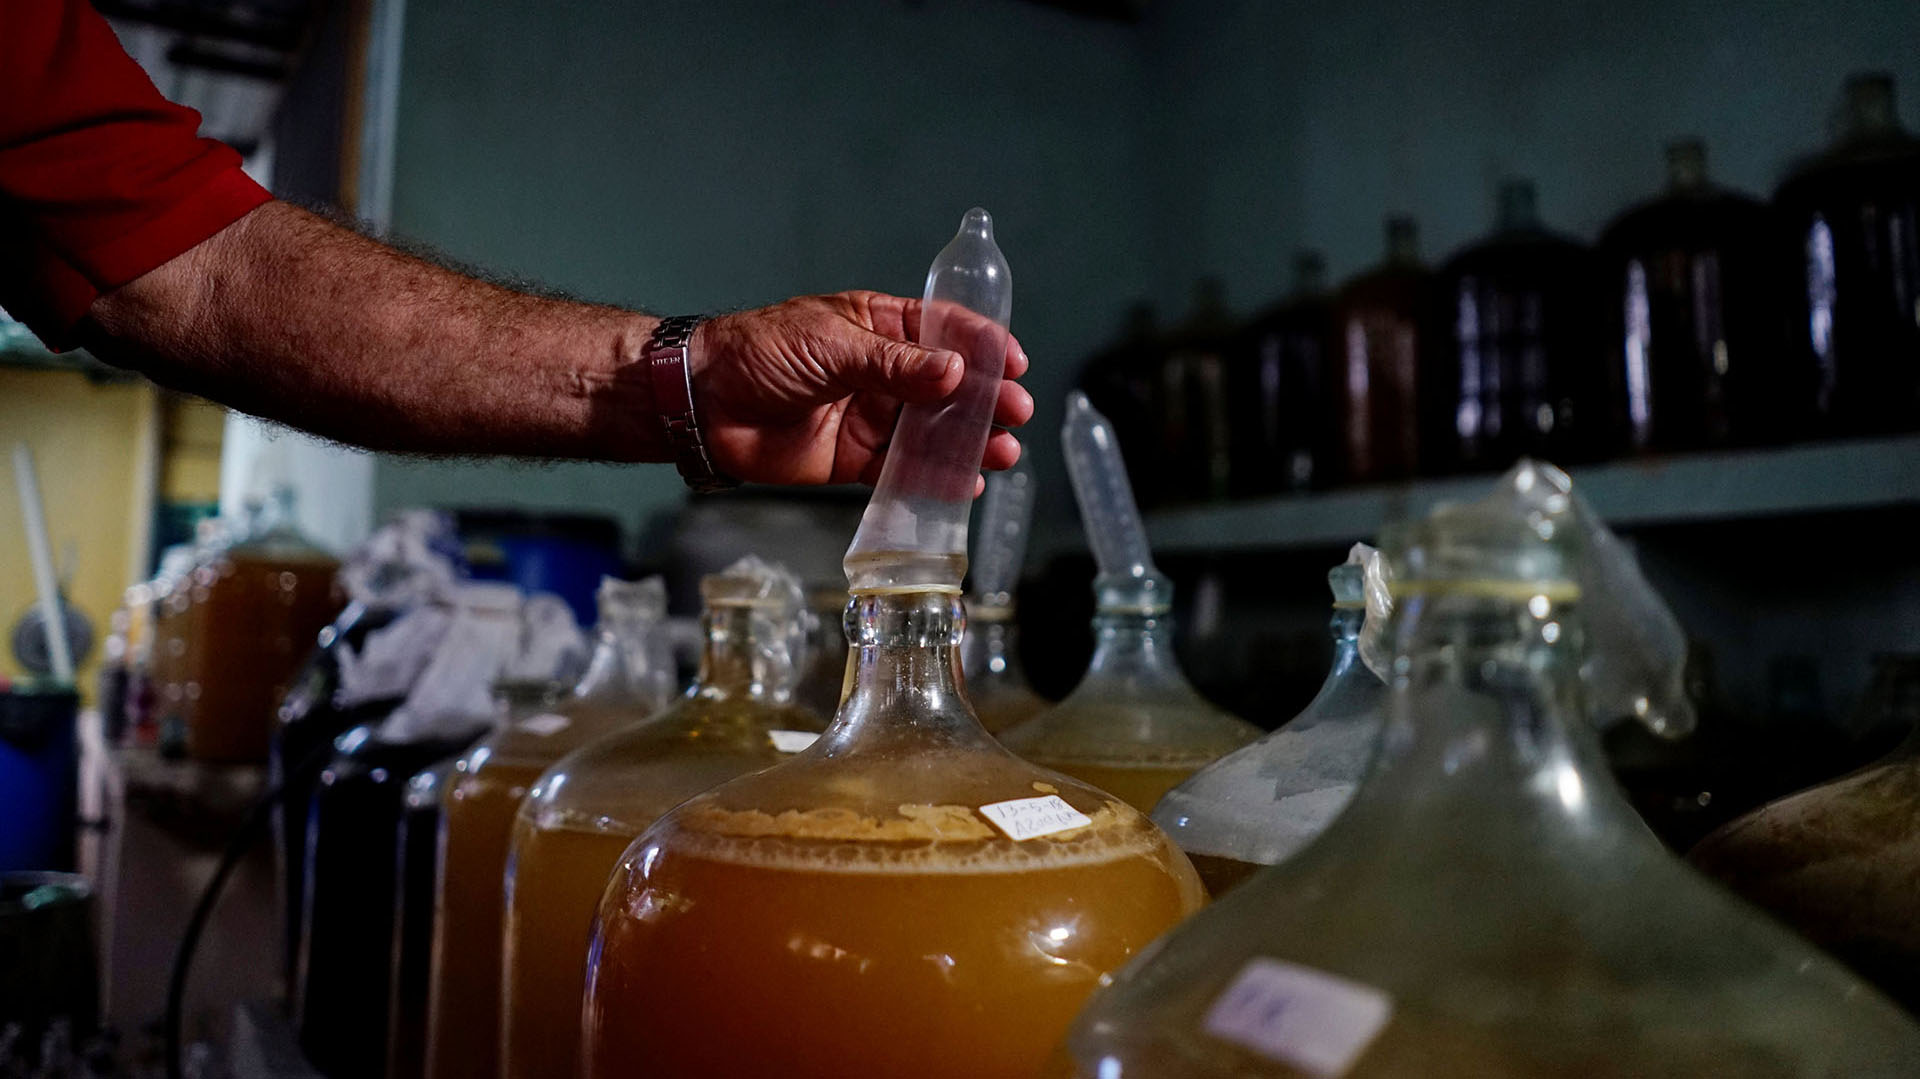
101 178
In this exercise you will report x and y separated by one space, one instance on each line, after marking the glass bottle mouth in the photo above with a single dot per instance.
905 618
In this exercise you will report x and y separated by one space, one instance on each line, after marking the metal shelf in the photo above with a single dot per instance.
1814 478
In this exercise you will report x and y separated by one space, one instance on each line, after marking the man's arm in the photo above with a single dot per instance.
288 316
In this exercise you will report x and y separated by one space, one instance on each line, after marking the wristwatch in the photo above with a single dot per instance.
666 359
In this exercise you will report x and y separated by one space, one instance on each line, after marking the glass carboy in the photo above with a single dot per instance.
906 898
1488 905
1257 805
628 678
580 815
1133 726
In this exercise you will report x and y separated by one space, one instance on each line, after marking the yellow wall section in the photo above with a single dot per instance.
85 440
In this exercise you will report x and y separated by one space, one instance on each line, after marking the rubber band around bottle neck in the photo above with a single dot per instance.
907 590
1554 591
1137 610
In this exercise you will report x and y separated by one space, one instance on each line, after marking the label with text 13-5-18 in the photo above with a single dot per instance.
1031 818
1315 1021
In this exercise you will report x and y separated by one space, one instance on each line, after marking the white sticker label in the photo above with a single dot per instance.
1030 818
792 741
545 725
1314 1021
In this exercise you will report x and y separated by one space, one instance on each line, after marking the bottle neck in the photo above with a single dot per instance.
623 664
733 664
1133 658
1344 628
1485 725
1131 641
905 659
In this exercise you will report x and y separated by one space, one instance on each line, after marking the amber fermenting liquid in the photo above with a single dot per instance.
468 917
483 797
564 853
1139 785
937 960
259 617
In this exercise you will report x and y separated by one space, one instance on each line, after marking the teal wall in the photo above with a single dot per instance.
690 157
702 156
1303 124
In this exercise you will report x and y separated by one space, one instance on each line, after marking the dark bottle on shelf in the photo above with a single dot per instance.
1193 396
1384 326
1520 374
1123 381
1853 218
411 977
1695 325
1277 391
353 860
307 721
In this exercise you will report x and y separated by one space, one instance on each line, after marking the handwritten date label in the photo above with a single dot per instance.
1031 818
1312 1020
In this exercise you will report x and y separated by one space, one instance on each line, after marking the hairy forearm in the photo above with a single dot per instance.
288 316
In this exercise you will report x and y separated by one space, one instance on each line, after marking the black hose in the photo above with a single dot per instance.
258 814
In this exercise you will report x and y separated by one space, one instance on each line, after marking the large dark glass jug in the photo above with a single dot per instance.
353 859
1696 332
1853 216
1522 375
1278 422
1384 321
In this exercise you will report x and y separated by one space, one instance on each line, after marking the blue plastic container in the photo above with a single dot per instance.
39 768
565 554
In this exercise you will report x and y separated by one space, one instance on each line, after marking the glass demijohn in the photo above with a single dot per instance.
1258 805
626 680
739 717
1133 726
906 898
1488 905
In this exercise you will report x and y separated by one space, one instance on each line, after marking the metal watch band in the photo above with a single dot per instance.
666 359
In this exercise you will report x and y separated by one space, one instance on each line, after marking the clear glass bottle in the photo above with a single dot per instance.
1488 905
1258 805
906 898
1133 726
1839 861
572 827
990 652
859 903
628 679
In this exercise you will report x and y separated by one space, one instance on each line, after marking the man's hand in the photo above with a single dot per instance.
807 391
291 317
